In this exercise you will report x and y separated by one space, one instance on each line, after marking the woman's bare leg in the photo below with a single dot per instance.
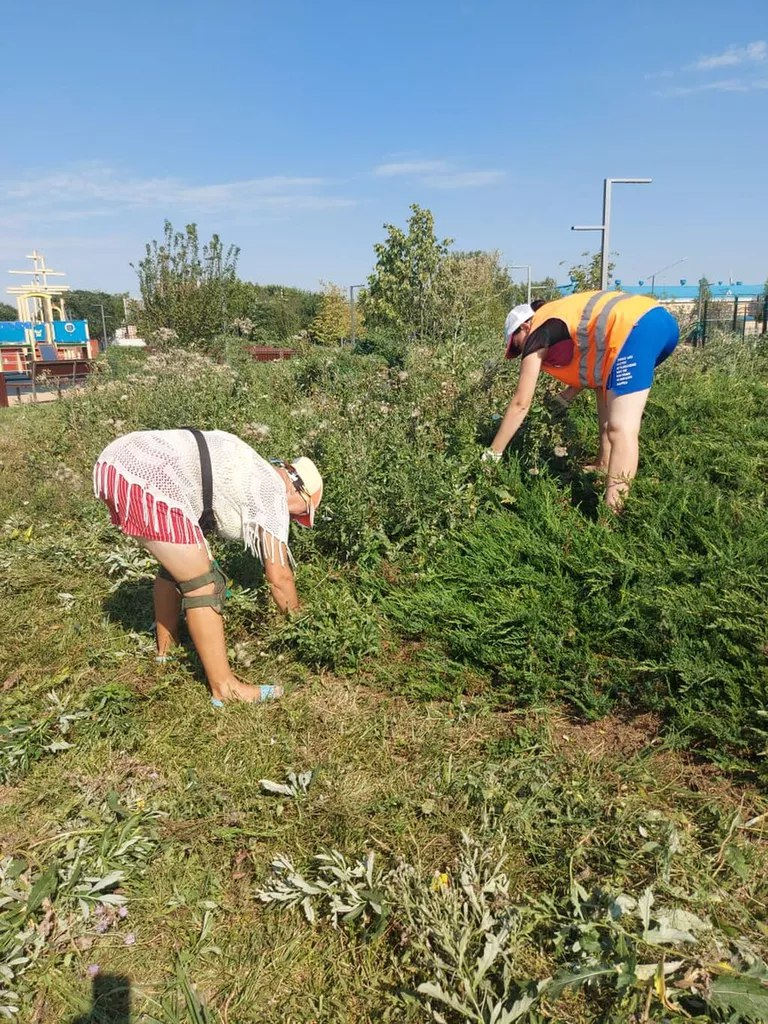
625 414
167 603
604 452
206 626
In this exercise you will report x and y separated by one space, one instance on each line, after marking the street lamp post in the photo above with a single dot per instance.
605 227
352 310
103 325
524 266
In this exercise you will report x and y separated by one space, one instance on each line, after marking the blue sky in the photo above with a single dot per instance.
296 130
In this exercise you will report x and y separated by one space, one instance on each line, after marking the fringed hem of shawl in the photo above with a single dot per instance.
261 543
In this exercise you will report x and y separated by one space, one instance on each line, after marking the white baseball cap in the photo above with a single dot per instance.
515 319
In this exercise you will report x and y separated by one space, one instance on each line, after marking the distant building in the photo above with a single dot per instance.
683 292
732 305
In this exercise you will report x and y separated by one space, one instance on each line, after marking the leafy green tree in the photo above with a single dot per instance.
8 312
276 313
185 286
333 321
405 289
705 291
586 275
86 305
545 289
474 295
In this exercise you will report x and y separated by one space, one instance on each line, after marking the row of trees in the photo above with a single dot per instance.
421 290
190 291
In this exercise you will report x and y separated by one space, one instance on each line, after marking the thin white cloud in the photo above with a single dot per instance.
409 168
438 174
752 53
722 85
94 189
749 58
466 179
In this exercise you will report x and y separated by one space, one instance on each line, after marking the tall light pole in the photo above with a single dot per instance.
661 271
103 325
352 310
524 266
605 227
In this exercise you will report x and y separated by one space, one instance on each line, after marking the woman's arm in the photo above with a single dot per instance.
280 576
517 410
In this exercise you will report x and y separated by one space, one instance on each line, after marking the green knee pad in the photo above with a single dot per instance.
214 600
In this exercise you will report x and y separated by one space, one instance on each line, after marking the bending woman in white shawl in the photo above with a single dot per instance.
152 483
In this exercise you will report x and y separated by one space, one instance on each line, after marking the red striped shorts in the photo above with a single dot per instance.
138 514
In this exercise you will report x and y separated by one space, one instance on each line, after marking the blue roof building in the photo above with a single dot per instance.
682 292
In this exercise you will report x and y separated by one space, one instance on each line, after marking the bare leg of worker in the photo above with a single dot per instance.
625 413
604 452
167 610
206 626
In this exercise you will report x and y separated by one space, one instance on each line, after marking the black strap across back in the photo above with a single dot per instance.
207 521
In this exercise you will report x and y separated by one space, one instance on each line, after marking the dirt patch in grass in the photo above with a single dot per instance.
617 736
620 737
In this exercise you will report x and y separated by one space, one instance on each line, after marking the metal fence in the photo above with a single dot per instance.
745 317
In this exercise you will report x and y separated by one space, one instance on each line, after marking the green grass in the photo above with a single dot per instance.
481 652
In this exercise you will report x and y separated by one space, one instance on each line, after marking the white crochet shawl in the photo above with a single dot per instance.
249 497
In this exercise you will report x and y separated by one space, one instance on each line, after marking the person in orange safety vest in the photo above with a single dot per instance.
609 342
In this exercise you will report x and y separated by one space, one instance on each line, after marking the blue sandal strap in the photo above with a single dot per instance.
267 692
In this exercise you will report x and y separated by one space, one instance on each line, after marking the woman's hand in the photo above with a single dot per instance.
277 569
518 408
282 585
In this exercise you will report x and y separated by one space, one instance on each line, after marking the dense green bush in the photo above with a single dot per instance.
514 574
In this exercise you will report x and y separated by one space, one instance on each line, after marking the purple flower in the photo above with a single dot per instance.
122 912
93 970
130 938
101 926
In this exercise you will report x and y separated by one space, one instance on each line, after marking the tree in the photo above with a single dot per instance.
185 288
546 289
87 305
705 290
333 321
8 312
586 276
475 294
276 313
403 294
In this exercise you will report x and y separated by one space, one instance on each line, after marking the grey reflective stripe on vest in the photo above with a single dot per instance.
582 338
601 338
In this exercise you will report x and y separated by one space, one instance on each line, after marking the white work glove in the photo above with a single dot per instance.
489 455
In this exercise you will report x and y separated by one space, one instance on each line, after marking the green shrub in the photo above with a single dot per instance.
512 574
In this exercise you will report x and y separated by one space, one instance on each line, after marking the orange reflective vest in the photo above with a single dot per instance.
599 323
